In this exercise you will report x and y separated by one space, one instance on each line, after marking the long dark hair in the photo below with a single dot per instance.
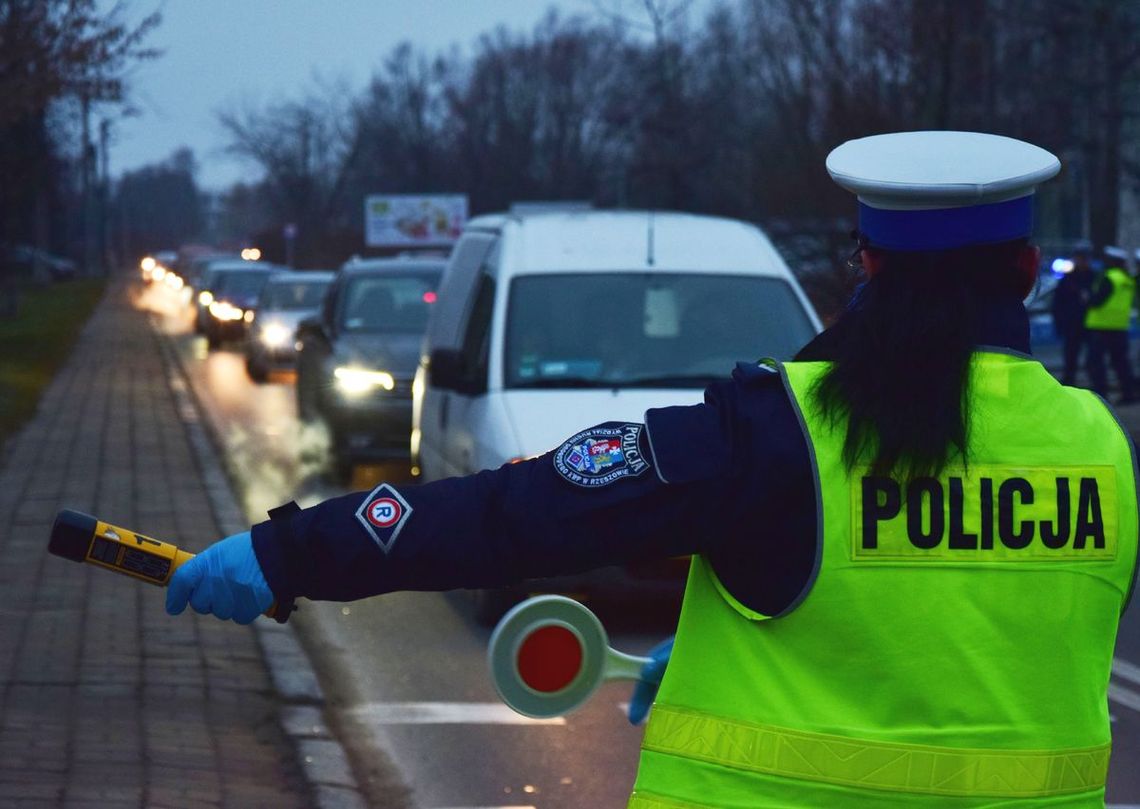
901 357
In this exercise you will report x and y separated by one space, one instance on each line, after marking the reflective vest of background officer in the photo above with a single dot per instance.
955 646
1115 311
1106 322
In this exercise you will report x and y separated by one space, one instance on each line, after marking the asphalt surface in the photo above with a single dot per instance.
406 673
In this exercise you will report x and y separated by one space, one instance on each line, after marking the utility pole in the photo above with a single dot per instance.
105 197
88 170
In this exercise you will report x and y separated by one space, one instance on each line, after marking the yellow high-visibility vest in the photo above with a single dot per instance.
954 649
1114 313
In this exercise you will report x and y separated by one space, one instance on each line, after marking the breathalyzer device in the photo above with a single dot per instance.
83 538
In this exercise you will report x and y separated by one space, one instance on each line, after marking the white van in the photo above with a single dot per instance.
549 323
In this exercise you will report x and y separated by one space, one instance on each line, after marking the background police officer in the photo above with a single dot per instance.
876 612
1070 303
1107 320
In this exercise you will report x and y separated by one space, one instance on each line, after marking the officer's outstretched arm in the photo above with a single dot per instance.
611 494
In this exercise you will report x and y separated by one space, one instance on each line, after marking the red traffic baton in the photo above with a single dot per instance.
549 654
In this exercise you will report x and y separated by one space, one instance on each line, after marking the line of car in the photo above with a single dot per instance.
536 326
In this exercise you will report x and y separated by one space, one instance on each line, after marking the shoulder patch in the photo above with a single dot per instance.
383 514
602 455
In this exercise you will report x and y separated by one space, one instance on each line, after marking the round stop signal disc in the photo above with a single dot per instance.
547 656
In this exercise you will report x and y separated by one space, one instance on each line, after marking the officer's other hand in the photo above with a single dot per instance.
646 689
225 580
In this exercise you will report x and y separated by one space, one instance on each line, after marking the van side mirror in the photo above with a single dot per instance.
447 369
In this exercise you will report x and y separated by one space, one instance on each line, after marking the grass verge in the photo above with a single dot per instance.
37 341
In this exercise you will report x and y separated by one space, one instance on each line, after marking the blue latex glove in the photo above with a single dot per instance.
225 579
646 689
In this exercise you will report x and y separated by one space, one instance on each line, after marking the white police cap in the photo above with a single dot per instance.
939 190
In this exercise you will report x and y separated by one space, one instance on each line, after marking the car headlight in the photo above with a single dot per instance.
224 310
274 335
205 297
356 381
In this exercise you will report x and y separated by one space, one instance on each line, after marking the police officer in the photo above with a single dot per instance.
1070 304
1106 324
911 547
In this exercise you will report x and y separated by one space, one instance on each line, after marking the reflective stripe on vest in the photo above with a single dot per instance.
1116 311
918 769
644 800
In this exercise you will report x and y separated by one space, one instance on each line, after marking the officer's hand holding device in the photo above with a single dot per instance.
650 680
225 579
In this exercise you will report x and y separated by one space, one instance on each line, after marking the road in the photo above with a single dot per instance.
406 674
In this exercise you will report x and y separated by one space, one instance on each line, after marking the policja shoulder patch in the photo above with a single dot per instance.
602 455
383 514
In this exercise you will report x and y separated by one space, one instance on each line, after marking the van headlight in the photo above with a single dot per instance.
274 335
358 381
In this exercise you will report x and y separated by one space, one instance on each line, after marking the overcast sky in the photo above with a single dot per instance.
230 52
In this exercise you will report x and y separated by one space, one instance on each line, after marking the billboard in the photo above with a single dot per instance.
413 220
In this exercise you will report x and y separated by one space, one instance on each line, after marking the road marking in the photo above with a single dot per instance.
1124 696
1128 671
448 713
486 807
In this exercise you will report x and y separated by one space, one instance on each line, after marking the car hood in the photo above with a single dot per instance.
398 354
543 419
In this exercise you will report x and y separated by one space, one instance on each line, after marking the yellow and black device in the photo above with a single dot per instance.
83 538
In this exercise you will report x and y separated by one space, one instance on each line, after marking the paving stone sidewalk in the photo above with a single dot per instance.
105 701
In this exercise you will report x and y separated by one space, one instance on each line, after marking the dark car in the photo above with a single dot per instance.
234 294
359 355
287 299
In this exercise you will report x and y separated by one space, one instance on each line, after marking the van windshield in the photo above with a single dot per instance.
646 329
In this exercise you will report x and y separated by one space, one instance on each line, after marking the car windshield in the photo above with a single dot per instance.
397 304
286 295
240 282
646 329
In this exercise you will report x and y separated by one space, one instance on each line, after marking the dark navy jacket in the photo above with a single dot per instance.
730 479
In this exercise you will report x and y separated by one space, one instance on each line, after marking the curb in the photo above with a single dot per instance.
323 759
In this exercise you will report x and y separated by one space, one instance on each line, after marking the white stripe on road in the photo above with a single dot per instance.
444 713
486 807
1125 670
1124 696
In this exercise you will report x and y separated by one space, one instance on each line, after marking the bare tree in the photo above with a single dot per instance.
305 150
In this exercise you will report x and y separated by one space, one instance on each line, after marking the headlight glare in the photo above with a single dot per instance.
275 335
224 310
360 380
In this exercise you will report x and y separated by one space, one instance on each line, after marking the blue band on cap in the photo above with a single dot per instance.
947 228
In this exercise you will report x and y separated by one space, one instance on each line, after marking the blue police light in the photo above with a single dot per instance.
1061 266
